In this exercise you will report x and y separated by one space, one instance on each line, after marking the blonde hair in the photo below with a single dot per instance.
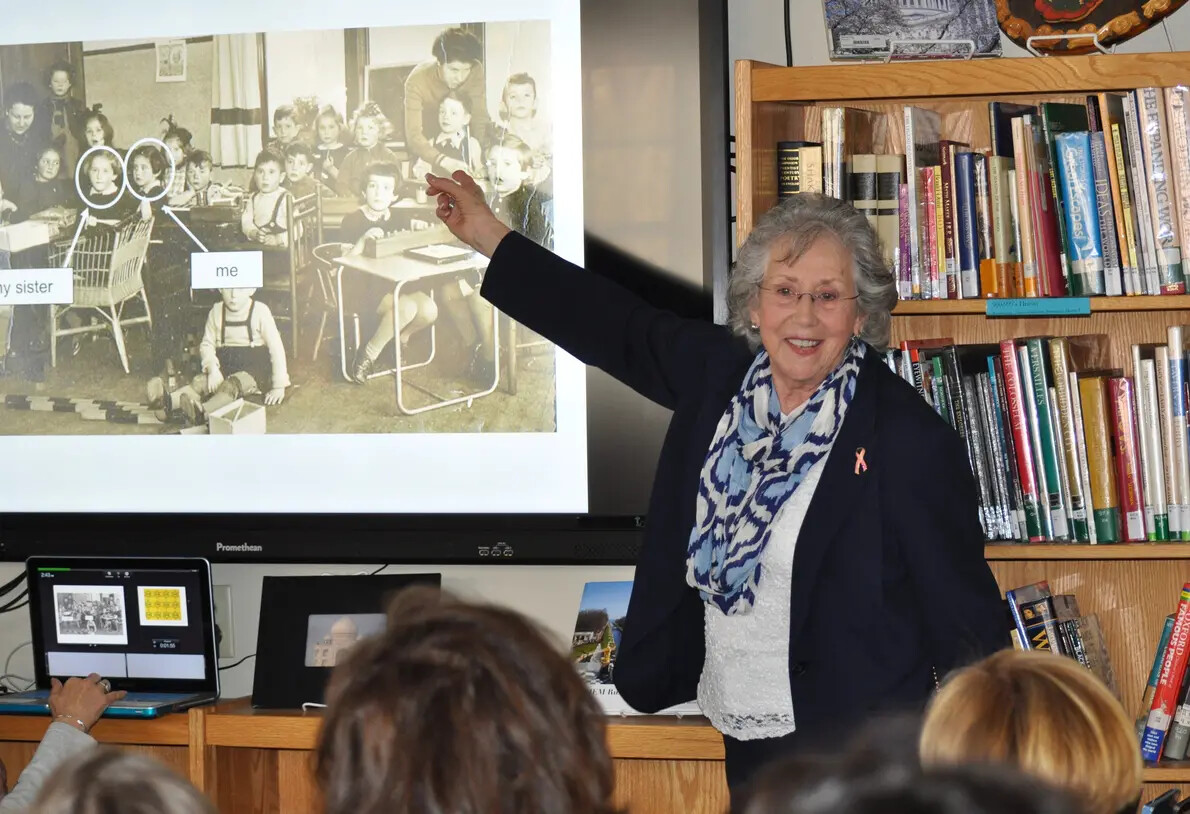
112 781
1045 714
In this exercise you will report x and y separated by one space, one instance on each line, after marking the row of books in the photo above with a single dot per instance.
1164 726
1043 621
1069 199
1064 447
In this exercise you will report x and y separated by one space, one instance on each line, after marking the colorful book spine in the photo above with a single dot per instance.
1135 260
1148 422
1030 494
948 278
1168 444
1076 506
1112 271
929 228
988 281
1132 499
1080 447
1004 243
1105 503
904 244
967 219
1047 443
1168 684
1179 728
1146 700
1084 248
1163 214
1177 417
1177 119
1140 194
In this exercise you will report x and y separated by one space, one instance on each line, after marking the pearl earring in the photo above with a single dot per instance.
755 326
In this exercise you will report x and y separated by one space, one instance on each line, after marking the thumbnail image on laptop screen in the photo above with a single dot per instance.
142 624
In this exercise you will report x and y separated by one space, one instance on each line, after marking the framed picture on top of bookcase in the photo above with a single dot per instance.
1035 213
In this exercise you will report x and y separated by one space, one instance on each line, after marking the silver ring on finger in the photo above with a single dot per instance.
107 685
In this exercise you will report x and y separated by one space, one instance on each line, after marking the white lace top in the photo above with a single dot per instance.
744 688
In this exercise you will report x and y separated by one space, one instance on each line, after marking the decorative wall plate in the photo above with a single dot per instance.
1116 20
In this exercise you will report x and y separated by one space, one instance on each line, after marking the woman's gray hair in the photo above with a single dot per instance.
802 220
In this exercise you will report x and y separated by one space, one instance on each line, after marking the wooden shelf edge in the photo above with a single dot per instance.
1171 302
872 81
1175 772
1082 551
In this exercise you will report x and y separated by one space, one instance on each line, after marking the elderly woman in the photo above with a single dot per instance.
813 553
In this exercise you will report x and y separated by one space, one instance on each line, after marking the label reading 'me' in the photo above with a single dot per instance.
226 269
37 286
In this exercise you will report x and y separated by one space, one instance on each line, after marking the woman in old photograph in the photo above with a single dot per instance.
796 578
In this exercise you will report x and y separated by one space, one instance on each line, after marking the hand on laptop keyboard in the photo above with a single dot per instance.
80 701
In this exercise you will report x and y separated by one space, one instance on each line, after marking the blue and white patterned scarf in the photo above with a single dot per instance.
755 462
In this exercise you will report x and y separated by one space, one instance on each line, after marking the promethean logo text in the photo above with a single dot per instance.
242 548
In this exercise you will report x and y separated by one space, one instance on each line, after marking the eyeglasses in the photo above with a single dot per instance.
823 301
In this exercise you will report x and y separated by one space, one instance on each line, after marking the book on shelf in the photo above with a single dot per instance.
1064 447
1169 682
598 628
1045 621
1084 199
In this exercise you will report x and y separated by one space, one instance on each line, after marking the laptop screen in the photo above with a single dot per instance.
142 625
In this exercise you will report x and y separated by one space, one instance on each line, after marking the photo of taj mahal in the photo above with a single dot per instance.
329 635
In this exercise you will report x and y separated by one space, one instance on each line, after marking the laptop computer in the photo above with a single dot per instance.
147 625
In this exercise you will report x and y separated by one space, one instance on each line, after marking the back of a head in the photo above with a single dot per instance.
822 787
111 781
461 708
1047 715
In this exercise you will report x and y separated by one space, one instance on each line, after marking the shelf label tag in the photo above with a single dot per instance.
1038 307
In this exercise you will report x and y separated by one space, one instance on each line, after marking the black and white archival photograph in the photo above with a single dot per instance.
123 160
90 614
912 29
330 635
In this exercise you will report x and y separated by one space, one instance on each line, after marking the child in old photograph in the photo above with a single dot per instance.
61 115
266 211
370 126
330 150
370 295
299 169
200 190
454 139
286 129
242 355
46 189
518 109
514 200
178 140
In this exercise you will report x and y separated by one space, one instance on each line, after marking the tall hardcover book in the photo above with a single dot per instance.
1177 415
1113 279
1084 248
1111 112
1001 166
1128 477
1140 193
1057 118
1014 390
1177 114
1163 207
1105 501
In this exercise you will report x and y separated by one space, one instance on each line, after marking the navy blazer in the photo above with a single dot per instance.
890 585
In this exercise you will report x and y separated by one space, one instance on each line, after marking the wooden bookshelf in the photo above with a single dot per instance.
1130 587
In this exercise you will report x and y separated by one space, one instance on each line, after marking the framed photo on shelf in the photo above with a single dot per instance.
308 624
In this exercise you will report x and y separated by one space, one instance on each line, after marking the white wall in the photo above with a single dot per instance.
306 63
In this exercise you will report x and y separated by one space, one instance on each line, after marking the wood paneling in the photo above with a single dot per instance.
671 786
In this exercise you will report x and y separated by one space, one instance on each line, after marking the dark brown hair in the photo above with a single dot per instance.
462 708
